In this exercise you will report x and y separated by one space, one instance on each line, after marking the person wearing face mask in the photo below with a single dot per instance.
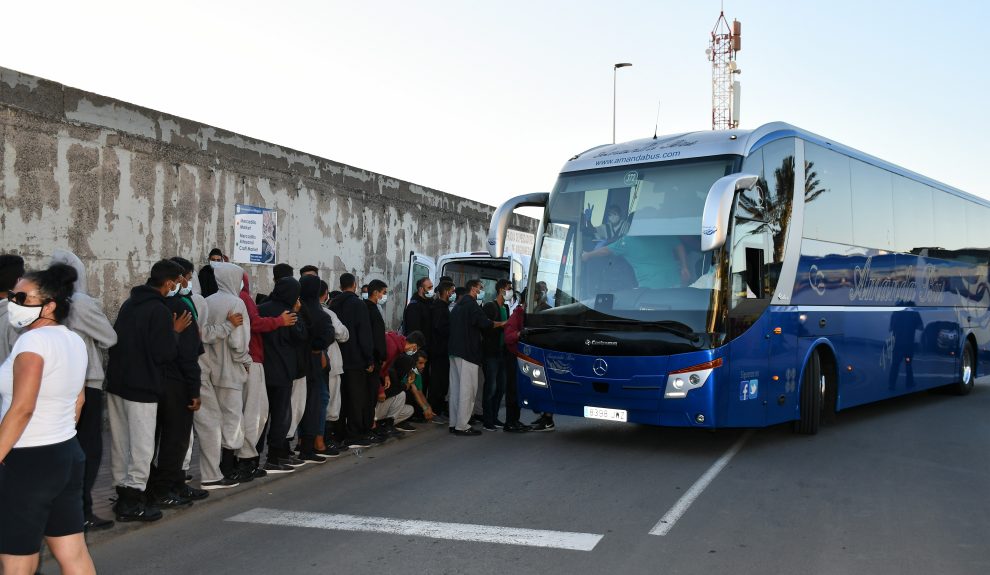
176 405
146 342
439 365
358 359
418 315
467 321
364 292
219 421
377 297
611 227
11 270
87 320
493 347
216 255
41 463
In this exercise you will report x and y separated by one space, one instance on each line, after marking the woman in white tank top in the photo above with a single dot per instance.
41 394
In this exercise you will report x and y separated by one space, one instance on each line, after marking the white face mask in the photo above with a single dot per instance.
185 291
481 295
364 295
452 298
411 352
21 316
383 300
174 290
416 370
428 294
508 294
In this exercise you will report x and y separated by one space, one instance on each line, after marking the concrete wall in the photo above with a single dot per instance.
123 186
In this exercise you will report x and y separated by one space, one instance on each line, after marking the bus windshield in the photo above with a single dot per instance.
622 247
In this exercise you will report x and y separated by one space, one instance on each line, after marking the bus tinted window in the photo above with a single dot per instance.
913 222
828 203
872 206
950 213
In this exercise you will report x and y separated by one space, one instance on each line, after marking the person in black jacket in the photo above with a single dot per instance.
466 324
418 316
493 348
377 295
318 375
147 342
358 357
179 399
281 367
439 365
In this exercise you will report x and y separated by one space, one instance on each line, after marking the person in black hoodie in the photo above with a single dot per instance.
147 341
358 358
179 399
281 368
377 295
319 338
439 365
467 322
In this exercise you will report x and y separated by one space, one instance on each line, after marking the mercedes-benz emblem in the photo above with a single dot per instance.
600 367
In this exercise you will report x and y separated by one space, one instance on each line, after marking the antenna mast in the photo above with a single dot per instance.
726 41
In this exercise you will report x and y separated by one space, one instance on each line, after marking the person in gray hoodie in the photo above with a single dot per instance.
219 421
11 270
88 321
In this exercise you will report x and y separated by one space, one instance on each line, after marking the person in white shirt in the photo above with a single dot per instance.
41 396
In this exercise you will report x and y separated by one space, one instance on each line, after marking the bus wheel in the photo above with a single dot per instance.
812 397
967 371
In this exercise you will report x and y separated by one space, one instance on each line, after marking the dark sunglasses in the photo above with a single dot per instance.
20 297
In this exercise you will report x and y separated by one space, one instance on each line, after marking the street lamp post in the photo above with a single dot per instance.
614 69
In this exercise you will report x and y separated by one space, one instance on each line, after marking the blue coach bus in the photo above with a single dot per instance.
748 278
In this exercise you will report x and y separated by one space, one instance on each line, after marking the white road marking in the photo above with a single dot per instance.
449 531
670 518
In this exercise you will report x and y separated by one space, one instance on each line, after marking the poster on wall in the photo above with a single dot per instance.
254 235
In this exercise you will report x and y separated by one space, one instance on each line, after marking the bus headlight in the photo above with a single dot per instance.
533 370
682 381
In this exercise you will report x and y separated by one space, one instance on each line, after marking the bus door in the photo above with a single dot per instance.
420 266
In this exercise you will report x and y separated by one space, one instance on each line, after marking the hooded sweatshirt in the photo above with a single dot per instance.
8 335
146 342
320 327
395 347
358 351
87 320
282 344
227 358
259 325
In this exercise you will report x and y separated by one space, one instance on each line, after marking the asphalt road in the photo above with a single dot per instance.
898 487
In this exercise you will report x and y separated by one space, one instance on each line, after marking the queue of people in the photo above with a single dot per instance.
192 356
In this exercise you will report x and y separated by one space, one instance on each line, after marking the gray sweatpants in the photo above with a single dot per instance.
219 425
333 408
297 404
132 440
463 388
255 411
394 407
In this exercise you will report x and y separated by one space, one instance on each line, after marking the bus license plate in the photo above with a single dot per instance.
605 413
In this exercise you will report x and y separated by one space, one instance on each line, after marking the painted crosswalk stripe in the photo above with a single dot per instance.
436 530
670 518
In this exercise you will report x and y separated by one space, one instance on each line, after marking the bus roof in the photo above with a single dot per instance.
727 142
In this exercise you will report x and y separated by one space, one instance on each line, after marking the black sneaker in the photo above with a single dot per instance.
543 424
499 423
96 523
516 427
224 483
330 452
275 468
359 443
168 500
258 473
377 440
291 461
405 426
312 458
191 493
130 506
475 419
489 428
466 432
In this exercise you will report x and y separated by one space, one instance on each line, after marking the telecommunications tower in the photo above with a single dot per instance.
725 43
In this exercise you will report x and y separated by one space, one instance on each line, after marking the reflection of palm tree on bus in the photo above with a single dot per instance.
775 209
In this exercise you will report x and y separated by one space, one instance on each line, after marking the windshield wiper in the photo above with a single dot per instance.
667 326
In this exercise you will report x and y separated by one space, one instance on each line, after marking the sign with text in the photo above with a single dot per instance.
254 235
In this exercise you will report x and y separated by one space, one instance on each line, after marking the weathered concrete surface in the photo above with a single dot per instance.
123 186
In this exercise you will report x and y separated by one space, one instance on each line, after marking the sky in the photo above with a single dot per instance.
487 100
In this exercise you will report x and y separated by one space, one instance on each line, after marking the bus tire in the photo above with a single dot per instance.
812 396
967 371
